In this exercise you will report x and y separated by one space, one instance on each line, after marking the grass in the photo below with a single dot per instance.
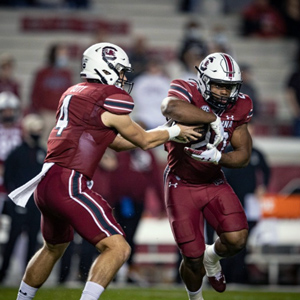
61 293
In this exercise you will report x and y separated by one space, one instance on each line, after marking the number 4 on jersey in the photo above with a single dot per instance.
63 119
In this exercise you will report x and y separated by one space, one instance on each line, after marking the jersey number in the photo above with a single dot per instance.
63 119
207 138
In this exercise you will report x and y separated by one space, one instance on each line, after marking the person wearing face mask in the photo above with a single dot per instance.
23 163
49 83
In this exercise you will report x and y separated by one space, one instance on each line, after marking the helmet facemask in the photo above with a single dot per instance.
122 82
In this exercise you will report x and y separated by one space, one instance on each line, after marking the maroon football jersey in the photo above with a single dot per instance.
186 167
80 138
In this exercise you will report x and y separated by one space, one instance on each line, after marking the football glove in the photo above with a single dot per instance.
217 127
212 155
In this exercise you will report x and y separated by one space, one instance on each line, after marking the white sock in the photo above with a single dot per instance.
92 291
212 255
195 295
26 292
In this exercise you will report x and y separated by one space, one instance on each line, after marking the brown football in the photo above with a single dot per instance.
201 129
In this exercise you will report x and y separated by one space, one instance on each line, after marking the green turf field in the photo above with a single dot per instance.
149 294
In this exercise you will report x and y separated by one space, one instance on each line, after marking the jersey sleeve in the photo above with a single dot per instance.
180 89
120 104
246 108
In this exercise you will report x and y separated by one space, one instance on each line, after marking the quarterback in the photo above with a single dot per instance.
195 187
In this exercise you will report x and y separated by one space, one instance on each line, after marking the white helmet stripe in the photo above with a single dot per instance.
229 65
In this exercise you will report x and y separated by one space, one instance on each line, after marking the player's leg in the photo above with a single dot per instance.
192 272
231 243
39 269
187 225
97 225
42 263
225 213
114 253
56 231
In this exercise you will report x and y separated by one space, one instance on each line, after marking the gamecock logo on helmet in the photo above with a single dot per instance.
206 63
109 53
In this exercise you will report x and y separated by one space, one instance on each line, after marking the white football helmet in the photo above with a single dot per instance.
104 62
10 106
9 100
219 68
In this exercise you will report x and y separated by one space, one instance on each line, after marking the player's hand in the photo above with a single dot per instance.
212 155
168 124
187 134
217 127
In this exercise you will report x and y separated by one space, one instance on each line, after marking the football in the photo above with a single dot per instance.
201 129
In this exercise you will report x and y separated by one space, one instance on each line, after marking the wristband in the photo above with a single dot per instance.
173 131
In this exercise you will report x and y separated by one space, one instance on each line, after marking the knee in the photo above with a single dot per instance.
195 265
55 250
236 241
118 245
125 252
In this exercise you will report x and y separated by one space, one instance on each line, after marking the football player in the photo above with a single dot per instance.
195 187
89 118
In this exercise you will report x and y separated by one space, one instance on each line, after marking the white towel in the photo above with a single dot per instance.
21 195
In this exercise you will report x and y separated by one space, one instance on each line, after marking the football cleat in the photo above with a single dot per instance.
214 273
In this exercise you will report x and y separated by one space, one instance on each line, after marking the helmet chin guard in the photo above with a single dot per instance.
219 68
104 62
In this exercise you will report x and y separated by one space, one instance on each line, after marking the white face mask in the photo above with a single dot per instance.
62 61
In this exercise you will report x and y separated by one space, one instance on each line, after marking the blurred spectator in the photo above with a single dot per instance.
101 35
138 55
233 6
261 19
293 95
7 81
139 171
19 3
49 84
22 164
250 184
290 11
190 6
78 4
249 88
219 42
10 132
150 88
193 49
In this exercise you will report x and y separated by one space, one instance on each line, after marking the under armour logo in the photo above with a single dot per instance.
230 117
173 184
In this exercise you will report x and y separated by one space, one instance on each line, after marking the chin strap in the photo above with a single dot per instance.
103 80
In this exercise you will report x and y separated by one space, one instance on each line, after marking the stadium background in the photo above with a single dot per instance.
27 33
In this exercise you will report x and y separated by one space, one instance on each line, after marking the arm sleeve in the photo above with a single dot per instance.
180 89
120 104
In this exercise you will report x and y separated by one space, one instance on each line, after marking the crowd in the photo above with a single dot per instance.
25 128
